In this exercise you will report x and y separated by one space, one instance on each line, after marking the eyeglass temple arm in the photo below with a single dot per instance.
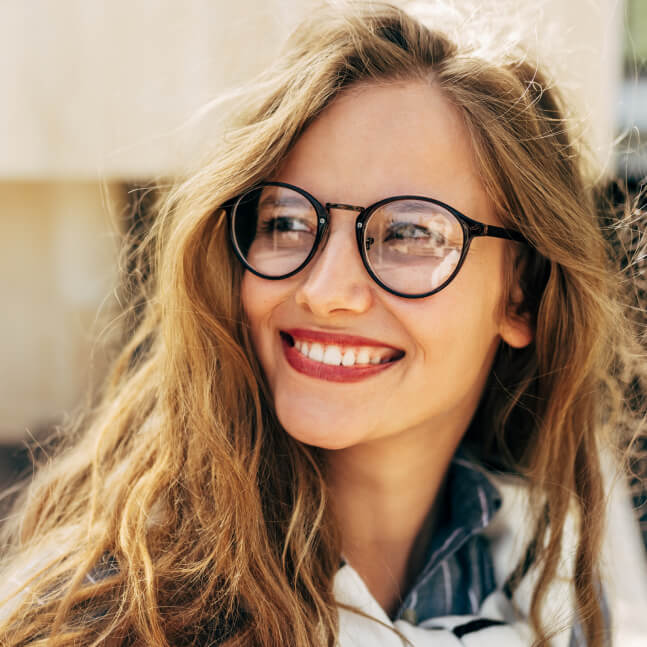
479 229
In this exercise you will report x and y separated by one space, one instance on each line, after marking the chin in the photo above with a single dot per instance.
325 437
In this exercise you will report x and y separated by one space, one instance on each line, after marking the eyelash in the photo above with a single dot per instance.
269 225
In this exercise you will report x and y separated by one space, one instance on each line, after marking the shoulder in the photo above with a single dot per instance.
624 563
363 622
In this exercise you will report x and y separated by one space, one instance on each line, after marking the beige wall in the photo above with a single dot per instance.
107 89
100 88
57 265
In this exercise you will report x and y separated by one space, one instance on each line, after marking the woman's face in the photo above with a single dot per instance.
372 142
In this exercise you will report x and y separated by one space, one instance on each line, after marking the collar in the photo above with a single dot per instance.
471 503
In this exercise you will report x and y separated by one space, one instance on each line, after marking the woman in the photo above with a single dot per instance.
380 319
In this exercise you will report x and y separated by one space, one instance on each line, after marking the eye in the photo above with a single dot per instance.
283 223
411 230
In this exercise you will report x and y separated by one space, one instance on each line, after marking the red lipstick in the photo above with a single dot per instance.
312 368
336 338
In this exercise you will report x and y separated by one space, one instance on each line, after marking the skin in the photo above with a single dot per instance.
390 438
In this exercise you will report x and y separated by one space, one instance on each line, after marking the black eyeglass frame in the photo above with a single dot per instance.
471 229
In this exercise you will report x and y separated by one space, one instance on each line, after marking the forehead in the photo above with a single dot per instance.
378 140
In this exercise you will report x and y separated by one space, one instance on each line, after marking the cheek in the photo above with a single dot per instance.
455 330
261 300
249 295
256 307
260 296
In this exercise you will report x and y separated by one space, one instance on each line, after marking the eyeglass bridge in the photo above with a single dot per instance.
341 205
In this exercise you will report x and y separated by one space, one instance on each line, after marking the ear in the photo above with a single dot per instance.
516 330
516 327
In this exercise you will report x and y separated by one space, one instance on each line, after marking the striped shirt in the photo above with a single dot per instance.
458 573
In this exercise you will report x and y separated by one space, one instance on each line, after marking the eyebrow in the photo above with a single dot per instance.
412 205
275 200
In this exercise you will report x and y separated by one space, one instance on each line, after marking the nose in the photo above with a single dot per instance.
336 279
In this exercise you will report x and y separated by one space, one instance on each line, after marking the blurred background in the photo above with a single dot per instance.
102 98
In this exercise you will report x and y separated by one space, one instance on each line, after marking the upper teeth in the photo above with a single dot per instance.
344 356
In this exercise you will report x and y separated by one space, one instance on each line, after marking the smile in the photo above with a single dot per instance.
337 362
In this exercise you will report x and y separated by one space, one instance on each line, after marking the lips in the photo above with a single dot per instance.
319 354
336 338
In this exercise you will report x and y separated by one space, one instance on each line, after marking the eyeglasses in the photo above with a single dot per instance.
411 246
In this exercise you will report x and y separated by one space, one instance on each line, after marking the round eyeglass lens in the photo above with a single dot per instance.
413 246
274 229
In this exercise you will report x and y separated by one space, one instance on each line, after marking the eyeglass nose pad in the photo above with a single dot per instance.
368 242
324 224
323 232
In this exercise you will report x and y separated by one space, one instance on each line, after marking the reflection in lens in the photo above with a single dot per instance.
275 229
413 246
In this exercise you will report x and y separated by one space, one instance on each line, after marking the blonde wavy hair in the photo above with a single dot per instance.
179 511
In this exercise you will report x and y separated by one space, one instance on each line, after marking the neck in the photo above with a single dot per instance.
386 496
